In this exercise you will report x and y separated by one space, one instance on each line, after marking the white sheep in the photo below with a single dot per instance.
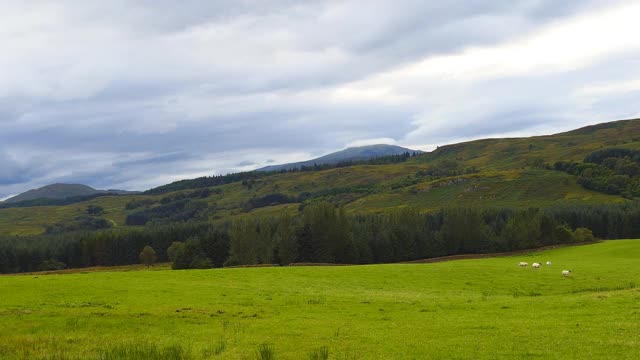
548 263
566 272
535 265
523 264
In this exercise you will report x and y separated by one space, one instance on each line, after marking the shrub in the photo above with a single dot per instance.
174 249
84 222
216 349
180 210
145 351
134 204
583 235
148 256
321 353
52 264
265 352
94 210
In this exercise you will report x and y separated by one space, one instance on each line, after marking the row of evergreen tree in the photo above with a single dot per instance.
248 177
323 233
613 171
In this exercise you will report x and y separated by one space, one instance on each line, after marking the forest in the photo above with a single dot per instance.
248 176
613 171
324 233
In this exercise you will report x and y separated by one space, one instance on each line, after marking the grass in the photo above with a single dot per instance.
509 189
506 179
481 309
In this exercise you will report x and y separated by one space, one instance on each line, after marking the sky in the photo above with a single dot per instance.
135 94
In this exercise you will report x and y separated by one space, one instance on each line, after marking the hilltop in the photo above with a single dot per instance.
62 191
349 154
508 173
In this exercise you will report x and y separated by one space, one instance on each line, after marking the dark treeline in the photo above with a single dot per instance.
56 202
326 234
248 176
93 248
183 206
612 171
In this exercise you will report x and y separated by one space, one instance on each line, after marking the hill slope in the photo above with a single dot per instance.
349 154
61 191
483 173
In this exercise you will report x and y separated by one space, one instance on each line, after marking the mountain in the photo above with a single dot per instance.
350 154
495 173
62 191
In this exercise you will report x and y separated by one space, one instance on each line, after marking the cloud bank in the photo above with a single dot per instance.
134 94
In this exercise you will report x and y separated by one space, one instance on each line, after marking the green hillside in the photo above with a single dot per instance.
466 309
61 191
349 154
484 173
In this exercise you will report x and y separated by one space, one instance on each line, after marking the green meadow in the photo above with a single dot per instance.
463 309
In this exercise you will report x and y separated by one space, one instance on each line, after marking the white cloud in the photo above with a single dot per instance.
610 88
565 45
89 85
376 141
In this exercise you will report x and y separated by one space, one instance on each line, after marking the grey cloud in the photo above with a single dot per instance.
167 90
246 163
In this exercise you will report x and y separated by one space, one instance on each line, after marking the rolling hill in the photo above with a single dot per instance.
350 154
62 191
513 173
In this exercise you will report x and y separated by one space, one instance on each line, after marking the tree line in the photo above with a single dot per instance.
247 177
612 171
324 233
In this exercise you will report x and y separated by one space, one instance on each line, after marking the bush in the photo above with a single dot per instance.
583 235
321 353
562 234
84 222
200 262
174 249
180 210
265 352
148 256
94 210
145 351
134 204
52 264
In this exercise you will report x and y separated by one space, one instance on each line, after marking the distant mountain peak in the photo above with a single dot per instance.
354 153
61 191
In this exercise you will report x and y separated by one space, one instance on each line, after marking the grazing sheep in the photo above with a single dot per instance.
566 272
548 263
523 264
535 265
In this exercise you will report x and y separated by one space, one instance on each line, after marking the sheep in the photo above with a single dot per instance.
535 265
523 264
566 272
548 263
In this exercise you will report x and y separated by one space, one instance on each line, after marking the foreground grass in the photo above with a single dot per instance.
482 309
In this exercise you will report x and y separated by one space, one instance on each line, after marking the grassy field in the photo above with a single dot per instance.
480 309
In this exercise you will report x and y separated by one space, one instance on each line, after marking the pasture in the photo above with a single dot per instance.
479 308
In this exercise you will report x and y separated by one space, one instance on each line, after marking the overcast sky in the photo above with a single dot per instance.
135 94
